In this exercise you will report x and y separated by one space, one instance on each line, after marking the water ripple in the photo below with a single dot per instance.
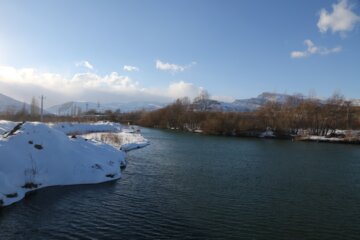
186 187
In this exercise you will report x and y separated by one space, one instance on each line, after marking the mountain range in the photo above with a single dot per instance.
8 104
73 107
251 104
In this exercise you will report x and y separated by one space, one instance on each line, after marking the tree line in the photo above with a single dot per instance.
296 115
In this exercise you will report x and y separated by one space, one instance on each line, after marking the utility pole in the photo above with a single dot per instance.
42 108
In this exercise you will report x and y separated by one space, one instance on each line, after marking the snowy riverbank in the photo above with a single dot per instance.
38 155
327 139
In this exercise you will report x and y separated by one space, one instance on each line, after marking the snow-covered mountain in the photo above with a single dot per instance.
239 105
249 104
71 108
355 102
10 104
252 104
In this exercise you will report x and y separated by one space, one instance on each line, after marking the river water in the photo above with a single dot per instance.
188 186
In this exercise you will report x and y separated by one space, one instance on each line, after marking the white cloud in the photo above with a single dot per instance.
298 54
129 68
169 67
173 68
183 89
84 64
311 46
326 51
112 82
23 83
342 19
313 49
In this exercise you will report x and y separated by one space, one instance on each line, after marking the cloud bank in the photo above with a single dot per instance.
24 83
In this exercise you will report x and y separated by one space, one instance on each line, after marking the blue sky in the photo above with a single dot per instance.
77 50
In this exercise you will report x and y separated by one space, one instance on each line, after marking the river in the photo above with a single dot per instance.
189 186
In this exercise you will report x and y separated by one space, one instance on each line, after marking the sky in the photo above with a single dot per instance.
140 50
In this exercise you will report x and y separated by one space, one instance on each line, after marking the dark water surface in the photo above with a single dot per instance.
187 186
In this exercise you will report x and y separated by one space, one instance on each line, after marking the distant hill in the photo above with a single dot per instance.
355 102
246 105
11 104
252 104
71 108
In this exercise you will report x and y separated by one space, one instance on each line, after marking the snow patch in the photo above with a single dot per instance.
267 134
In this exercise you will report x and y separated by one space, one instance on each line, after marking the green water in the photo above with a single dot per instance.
188 186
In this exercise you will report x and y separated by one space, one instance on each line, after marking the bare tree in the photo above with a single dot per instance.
34 108
202 102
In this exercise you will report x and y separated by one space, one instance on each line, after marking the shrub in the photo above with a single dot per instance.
30 185
11 195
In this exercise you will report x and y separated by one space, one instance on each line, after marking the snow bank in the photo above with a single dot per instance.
39 155
322 138
131 129
125 141
338 136
83 128
132 141
267 134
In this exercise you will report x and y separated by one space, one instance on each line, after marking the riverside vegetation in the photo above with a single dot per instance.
294 117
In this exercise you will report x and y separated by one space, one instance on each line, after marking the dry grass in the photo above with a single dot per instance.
111 138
